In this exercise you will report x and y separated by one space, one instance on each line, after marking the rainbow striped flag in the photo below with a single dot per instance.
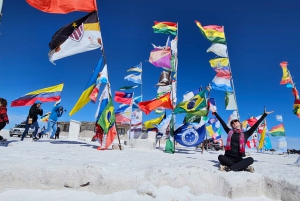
49 94
165 27
213 33
277 130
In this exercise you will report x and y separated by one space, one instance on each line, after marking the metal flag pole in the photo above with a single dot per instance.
131 115
176 70
108 84
231 79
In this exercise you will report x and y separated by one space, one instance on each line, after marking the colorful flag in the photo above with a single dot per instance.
230 103
196 105
286 77
107 118
296 110
161 58
165 27
128 87
213 33
148 106
189 135
165 78
218 49
277 130
63 7
49 94
125 98
152 123
79 36
137 68
214 128
123 114
134 77
85 95
279 118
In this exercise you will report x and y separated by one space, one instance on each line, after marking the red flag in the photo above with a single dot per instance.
164 101
63 7
121 97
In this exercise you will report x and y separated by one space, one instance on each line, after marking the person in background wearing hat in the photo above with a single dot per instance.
56 112
3 116
34 111
235 146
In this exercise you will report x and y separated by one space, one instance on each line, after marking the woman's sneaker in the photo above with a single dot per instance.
250 169
3 140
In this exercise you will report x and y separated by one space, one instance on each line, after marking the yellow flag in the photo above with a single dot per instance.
262 138
153 122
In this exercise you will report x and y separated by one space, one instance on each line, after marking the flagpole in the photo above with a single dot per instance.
131 115
231 79
108 84
176 65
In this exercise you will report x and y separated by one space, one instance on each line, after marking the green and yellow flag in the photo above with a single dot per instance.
196 105
108 117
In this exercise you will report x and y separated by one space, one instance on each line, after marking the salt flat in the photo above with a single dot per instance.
75 170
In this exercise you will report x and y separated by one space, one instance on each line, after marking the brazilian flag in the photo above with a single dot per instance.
108 117
196 105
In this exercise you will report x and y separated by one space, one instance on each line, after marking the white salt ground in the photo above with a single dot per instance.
68 170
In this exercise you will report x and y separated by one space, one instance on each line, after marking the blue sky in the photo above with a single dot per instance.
259 35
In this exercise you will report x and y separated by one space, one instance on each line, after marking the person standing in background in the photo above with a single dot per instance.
3 116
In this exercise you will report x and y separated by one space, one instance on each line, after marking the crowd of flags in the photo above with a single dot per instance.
223 79
287 80
84 35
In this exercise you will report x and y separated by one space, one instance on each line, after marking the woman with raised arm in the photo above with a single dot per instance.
235 144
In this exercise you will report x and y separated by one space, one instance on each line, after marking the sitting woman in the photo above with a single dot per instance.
235 145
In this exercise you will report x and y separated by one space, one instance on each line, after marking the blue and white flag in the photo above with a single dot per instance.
282 145
137 68
134 77
189 135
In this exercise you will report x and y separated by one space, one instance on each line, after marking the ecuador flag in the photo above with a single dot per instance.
82 35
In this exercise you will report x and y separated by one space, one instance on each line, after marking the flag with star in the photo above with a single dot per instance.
190 135
82 35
